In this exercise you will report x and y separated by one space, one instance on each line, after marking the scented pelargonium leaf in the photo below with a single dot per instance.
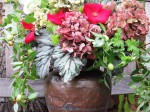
67 65
133 46
44 52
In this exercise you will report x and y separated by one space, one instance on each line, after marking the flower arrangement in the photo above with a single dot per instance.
63 35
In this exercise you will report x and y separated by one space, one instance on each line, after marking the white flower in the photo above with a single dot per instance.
29 6
76 1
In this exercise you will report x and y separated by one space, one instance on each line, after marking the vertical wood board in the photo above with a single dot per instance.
147 8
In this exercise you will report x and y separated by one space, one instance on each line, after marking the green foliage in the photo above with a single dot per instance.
141 76
44 3
55 39
32 96
120 106
133 46
51 27
125 101
30 18
117 41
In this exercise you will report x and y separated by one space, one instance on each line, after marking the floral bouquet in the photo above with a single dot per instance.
63 35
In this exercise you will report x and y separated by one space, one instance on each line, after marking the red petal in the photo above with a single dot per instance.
102 14
102 17
91 7
29 38
56 18
27 26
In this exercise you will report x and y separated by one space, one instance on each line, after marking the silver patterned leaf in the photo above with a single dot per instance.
43 53
67 66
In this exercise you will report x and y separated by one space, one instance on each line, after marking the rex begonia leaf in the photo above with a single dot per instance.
43 54
67 65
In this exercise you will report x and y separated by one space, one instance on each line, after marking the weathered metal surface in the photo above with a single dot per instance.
83 94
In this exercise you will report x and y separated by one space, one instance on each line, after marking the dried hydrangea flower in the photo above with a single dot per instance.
131 18
73 31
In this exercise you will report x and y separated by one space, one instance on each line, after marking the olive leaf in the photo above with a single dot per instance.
43 53
67 65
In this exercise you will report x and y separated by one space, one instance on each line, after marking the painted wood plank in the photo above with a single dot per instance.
147 8
5 90
9 68
8 51
1 12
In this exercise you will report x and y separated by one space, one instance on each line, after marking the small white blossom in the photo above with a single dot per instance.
76 1
29 6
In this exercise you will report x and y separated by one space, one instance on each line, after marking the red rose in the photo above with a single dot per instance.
29 38
95 13
27 26
56 18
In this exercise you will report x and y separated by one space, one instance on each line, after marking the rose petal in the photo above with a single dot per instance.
27 26
56 18
29 38
95 13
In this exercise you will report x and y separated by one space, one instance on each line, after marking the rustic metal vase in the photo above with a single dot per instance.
83 94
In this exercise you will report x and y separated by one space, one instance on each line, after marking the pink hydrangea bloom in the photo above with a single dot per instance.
131 18
73 31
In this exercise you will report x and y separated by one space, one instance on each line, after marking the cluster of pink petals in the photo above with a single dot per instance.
110 5
73 31
131 18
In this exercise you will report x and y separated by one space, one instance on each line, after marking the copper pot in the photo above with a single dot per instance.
83 94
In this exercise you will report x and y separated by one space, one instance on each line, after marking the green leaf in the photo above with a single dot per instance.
19 81
16 68
32 56
15 18
96 34
98 43
88 39
131 98
106 83
117 40
44 3
32 96
55 39
30 18
30 89
137 77
127 107
133 46
140 106
120 106
51 27
17 63
103 27
16 107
